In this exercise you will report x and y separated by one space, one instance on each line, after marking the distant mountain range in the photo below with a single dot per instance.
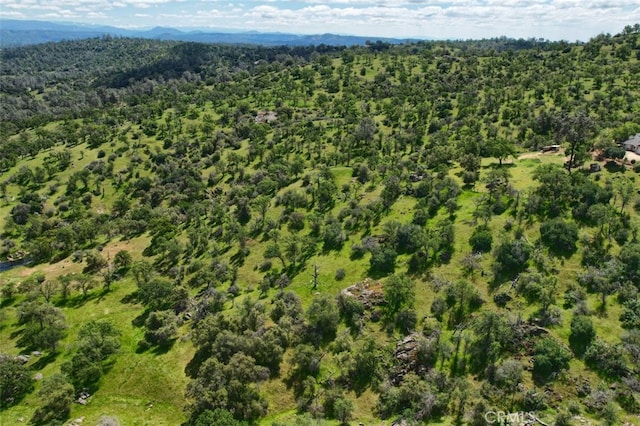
20 33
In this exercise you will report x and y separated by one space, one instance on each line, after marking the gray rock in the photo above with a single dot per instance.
38 376
83 398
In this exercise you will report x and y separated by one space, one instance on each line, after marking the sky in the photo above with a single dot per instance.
569 20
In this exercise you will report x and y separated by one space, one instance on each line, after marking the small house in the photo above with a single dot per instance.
633 144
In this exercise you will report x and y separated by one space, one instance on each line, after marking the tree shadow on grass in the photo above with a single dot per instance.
108 365
15 334
504 165
161 350
7 302
502 278
130 298
45 360
80 300
238 259
614 167
140 319
192 368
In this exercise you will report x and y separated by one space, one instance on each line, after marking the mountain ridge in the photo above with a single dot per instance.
15 33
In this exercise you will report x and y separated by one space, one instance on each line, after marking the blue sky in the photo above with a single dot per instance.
459 19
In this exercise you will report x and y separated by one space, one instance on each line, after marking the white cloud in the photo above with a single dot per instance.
568 19
11 15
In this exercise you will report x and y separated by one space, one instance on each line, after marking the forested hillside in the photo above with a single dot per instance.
439 232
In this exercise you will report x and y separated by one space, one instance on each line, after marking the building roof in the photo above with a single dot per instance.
633 140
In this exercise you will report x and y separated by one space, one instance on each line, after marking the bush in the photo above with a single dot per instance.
399 295
83 371
406 321
600 402
15 381
509 374
481 240
161 328
606 359
337 406
582 334
630 259
534 400
550 357
296 221
630 316
512 256
383 261
97 341
323 318
350 308
122 261
615 152
559 236
574 296
333 237
357 251
56 396
343 410
438 308
217 417
265 266
501 299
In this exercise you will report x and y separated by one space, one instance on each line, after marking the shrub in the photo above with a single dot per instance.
550 358
630 316
350 309
399 295
265 266
383 261
582 334
509 374
296 221
357 251
481 240
606 359
56 396
600 402
614 152
630 259
534 400
438 308
323 318
161 328
15 381
413 397
559 236
217 417
512 256
333 237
